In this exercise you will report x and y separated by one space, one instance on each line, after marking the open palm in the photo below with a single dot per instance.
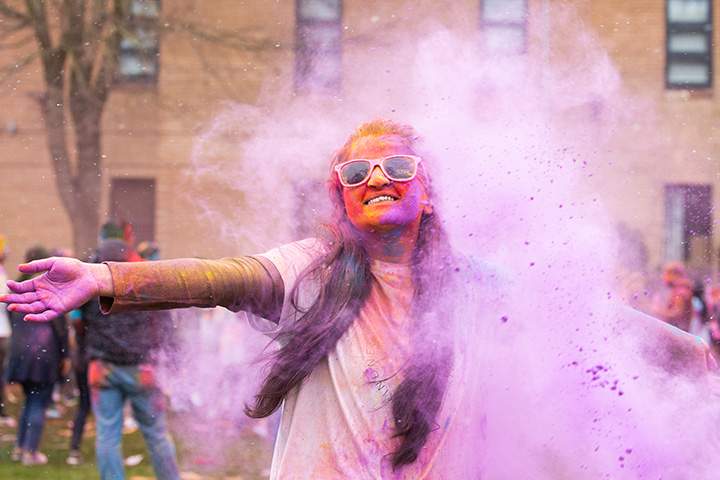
64 284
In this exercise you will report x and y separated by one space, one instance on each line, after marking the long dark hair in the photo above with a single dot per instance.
344 280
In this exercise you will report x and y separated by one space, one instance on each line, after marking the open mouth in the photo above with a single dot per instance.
381 198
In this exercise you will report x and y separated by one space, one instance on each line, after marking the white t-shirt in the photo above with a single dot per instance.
338 423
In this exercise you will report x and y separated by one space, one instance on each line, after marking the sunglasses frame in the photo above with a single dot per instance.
377 162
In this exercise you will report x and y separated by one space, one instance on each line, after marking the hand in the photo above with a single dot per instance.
65 285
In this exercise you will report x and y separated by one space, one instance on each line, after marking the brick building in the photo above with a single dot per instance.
657 141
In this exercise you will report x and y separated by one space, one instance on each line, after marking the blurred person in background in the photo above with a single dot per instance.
5 331
39 357
64 391
712 300
700 314
124 350
674 304
77 383
80 361
149 250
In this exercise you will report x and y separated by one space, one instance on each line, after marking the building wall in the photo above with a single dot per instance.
151 132
675 138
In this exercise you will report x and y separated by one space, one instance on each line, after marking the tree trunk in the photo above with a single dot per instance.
79 190
87 115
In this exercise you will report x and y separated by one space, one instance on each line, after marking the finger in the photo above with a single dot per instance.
37 266
21 287
29 307
46 316
19 297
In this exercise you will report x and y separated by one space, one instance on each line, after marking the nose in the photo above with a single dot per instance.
378 178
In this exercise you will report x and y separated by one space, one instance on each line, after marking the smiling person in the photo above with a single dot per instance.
369 371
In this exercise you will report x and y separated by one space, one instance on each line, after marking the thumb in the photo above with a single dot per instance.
37 265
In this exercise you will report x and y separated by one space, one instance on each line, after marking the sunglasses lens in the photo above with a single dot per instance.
354 173
400 168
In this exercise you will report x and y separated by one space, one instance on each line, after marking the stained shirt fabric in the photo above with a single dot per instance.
338 423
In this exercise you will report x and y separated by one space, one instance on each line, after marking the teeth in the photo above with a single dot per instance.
382 198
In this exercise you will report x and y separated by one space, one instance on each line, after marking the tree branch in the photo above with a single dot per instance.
15 44
38 19
8 12
10 70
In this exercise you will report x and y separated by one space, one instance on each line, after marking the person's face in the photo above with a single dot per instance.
381 205
715 295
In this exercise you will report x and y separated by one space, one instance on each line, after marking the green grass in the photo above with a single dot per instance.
206 450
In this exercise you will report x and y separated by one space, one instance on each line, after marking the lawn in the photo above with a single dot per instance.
212 449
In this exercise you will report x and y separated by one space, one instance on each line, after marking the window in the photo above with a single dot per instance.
318 46
133 199
503 24
689 44
138 60
688 224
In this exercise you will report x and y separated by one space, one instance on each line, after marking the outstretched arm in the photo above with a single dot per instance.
241 283
64 285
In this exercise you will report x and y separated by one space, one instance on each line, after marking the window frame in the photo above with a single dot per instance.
309 58
487 25
135 23
705 29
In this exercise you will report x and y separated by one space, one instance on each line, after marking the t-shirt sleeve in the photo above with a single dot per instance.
291 260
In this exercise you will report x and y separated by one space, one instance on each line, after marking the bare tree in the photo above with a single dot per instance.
78 45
